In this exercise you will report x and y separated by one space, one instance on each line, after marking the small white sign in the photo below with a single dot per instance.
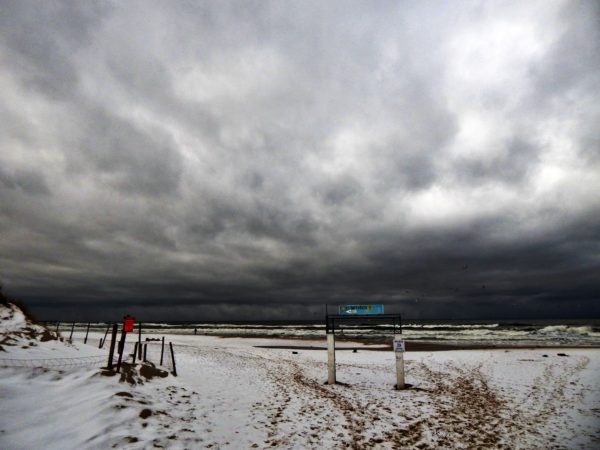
399 346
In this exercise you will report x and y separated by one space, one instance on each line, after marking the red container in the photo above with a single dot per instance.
128 325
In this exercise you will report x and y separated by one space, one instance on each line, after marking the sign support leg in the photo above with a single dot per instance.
399 366
331 358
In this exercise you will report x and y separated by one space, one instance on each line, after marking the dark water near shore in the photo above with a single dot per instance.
492 333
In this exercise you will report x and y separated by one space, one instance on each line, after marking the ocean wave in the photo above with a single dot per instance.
552 333
559 330
450 327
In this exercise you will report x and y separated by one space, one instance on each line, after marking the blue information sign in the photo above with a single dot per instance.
360 309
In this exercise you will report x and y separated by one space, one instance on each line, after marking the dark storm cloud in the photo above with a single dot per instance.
39 39
261 159
29 182
131 160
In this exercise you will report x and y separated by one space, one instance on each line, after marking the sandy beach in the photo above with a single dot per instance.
259 393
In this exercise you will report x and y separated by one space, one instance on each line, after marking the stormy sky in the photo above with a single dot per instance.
257 160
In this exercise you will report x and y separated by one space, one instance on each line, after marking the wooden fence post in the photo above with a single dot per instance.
71 335
145 352
162 350
111 352
103 341
140 340
121 349
173 358
135 352
57 325
86 333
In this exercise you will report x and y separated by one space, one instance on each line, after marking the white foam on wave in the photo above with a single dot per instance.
584 330
464 326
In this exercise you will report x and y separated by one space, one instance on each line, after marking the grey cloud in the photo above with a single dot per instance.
262 159
573 60
26 181
137 160
40 38
513 166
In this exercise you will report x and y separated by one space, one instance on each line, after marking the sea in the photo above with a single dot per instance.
509 333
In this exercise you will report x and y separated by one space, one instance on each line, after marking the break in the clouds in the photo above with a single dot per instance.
260 159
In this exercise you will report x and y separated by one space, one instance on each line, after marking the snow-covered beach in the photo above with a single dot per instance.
234 393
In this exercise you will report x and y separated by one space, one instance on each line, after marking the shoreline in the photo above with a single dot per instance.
385 344
426 347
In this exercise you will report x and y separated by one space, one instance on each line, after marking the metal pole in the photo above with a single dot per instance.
162 350
173 358
86 333
111 352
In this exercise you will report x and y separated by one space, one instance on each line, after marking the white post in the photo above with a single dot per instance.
330 358
399 365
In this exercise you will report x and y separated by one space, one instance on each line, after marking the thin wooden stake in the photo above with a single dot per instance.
145 351
162 350
86 333
71 335
135 352
121 349
105 334
57 325
111 352
173 358
140 340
